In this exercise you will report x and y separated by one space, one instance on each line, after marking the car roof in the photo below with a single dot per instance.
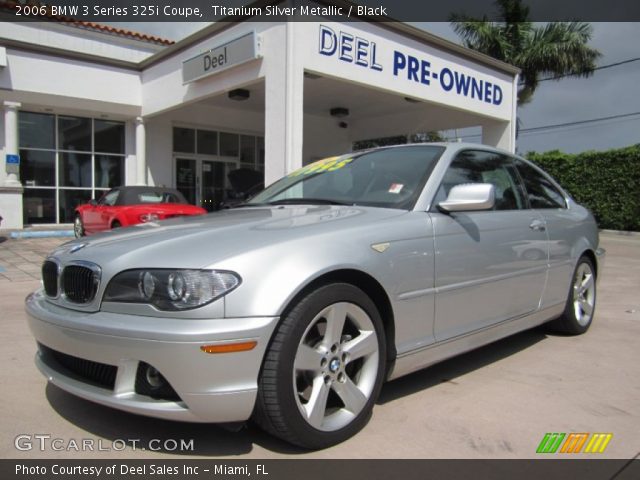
128 194
451 146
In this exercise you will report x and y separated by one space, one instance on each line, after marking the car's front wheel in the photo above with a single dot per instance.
581 301
78 227
324 368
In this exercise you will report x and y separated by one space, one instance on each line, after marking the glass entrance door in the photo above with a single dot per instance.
187 179
213 176
204 182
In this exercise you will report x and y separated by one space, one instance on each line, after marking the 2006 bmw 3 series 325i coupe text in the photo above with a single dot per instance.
294 308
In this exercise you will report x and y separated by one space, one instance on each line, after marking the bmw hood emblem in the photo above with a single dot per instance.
75 248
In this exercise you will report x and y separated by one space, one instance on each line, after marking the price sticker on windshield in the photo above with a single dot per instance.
330 164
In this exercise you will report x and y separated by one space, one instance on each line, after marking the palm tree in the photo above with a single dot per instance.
556 50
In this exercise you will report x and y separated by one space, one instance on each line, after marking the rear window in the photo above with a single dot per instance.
157 197
542 193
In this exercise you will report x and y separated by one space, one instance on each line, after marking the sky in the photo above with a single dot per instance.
608 92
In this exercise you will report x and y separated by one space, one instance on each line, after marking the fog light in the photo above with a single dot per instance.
150 382
154 378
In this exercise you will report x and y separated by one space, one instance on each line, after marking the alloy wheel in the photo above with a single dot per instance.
584 297
336 366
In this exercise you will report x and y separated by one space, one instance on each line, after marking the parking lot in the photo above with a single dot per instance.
495 402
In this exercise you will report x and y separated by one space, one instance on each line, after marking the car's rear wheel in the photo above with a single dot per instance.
323 369
115 224
581 301
78 227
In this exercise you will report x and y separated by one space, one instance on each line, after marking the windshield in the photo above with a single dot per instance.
390 178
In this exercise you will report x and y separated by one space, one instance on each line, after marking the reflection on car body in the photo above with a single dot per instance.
294 308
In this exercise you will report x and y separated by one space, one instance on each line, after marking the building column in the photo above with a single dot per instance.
10 178
503 134
141 152
284 106
10 187
499 135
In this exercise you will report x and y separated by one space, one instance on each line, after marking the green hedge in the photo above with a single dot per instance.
608 183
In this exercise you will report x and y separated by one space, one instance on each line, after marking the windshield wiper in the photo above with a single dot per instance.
307 201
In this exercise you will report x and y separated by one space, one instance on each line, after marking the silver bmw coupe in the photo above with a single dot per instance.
293 308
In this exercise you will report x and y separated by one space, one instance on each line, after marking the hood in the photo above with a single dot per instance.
197 242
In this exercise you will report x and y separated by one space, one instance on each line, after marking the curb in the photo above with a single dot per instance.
43 234
622 233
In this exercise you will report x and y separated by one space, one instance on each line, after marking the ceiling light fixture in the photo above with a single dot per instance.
239 94
339 112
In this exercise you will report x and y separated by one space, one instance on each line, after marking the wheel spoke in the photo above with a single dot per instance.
354 400
586 284
586 307
317 405
364 344
335 317
307 358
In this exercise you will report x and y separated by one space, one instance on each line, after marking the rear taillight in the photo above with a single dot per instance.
149 217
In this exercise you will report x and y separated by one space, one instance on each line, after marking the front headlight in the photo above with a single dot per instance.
170 289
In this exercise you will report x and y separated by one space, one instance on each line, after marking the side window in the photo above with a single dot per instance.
542 193
110 198
474 166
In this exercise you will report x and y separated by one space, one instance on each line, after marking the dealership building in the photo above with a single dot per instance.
87 107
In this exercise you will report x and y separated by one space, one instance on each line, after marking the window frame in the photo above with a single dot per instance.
508 159
561 191
59 152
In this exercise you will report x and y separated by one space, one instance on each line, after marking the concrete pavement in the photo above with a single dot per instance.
494 402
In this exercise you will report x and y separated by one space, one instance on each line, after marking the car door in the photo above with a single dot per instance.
550 203
490 266
97 218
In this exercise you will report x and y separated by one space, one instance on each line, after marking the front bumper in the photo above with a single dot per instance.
212 387
601 259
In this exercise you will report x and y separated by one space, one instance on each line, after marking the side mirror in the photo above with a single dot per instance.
93 202
469 197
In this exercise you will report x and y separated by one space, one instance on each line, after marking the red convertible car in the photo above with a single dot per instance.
124 206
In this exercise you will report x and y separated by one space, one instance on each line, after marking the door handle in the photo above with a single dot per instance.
538 226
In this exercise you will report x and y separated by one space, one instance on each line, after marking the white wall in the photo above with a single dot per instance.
32 75
162 83
64 37
324 138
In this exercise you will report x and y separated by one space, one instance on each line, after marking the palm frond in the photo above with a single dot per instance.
555 49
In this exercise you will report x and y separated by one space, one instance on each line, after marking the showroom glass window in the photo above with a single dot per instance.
66 161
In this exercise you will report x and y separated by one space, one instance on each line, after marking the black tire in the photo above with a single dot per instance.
78 227
115 224
281 403
581 304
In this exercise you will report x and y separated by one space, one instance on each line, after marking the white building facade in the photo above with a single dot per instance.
87 109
